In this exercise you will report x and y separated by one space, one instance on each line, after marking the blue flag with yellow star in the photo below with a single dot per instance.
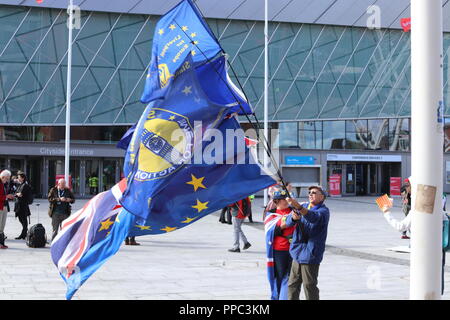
181 131
200 189
164 138
178 33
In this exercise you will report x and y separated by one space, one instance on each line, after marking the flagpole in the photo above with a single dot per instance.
426 149
68 94
266 92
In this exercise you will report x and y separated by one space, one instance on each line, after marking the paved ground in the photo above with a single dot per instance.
193 263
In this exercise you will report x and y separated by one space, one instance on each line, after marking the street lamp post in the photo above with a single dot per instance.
68 93
426 149
266 92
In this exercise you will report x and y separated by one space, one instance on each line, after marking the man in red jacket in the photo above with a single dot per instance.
5 176
239 211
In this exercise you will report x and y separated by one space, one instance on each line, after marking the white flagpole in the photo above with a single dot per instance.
68 94
266 92
426 149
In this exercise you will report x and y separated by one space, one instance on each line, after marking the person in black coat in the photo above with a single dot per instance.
21 208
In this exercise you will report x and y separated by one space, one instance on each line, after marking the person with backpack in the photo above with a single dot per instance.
23 198
60 198
239 211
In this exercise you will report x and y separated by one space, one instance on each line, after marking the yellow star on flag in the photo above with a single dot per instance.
106 224
184 28
193 34
172 26
161 31
189 220
195 42
193 52
143 227
196 182
200 206
171 117
168 229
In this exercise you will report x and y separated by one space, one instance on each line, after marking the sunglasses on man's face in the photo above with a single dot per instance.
312 192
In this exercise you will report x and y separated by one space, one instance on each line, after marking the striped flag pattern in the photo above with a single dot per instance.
384 200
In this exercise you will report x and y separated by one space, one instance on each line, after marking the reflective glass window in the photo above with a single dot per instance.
333 134
378 134
399 134
288 137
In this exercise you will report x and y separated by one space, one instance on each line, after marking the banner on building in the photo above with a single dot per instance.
395 185
335 185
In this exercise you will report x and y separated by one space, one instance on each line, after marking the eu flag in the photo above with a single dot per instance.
178 33
163 141
200 189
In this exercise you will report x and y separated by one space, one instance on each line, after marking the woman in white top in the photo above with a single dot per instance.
405 225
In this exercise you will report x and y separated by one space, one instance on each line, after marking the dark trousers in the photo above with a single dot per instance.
57 219
307 275
442 273
24 221
226 211
282 266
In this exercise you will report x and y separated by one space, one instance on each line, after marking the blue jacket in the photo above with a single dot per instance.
308 247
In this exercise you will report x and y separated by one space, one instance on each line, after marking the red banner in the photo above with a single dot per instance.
395 185
406 24
335 184
61 176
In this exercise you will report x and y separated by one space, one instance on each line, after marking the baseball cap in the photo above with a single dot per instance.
278 195
319 188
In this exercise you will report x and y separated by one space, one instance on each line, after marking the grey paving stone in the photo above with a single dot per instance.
193 263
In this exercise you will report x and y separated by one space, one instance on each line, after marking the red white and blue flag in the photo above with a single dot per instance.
277 293
90 236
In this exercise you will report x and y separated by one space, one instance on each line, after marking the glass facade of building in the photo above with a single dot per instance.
332 89
316 71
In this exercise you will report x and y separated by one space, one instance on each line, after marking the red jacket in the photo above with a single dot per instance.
243 211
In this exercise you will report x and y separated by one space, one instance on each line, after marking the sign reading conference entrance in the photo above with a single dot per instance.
364 157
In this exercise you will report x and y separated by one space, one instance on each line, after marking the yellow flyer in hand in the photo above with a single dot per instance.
384 200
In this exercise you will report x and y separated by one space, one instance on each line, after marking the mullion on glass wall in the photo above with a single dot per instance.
313 87
402 74
282 61
341 74
54 72
13 36
299 71
117 68
382 73
80 80
28 63
365 68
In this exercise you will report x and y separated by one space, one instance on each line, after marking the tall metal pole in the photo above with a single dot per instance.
426 149
68 94
266 90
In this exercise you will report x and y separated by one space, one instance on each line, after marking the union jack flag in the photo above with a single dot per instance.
90 236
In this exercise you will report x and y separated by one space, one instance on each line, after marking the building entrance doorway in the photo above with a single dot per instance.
364 178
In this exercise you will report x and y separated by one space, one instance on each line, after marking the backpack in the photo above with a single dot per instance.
36 237
30 198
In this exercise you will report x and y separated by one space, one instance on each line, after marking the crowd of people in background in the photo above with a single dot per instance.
17 190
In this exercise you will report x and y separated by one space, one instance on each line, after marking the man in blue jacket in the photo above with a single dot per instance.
308 243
